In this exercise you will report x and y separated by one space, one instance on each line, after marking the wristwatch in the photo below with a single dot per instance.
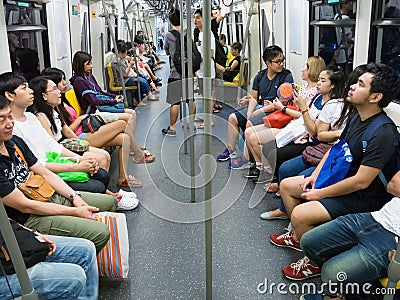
284 109
73 194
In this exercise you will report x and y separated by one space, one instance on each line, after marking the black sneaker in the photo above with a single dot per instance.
253 172
169 132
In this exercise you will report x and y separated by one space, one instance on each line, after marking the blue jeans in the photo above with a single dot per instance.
70 273
293 167
144 85
355 244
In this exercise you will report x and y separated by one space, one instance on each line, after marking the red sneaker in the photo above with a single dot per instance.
285 240
302 269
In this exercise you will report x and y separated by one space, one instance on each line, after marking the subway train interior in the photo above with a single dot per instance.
197 231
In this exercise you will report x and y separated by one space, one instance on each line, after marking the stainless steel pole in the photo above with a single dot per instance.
207 141
126 19
13 249
106 15
189 90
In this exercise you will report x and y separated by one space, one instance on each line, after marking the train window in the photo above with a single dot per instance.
386 34
229 28
26 28
239 27
333 32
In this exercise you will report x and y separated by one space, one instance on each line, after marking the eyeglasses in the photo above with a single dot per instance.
278 61
53 89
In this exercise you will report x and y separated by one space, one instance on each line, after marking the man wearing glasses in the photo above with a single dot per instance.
264 90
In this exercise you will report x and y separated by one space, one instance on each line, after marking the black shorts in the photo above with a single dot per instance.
348 204
174 91
241 116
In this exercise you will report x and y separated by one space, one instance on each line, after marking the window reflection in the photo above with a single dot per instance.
335 33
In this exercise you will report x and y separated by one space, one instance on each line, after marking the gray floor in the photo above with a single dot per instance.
167 258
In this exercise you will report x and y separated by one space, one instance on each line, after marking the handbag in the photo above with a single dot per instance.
77 176
113 259
77 146
36 187
336 165
312 155
279 119
92 123
33 249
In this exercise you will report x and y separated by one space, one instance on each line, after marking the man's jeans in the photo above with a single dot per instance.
70 273
353 246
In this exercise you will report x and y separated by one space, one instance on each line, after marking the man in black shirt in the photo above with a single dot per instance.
362 189
67 213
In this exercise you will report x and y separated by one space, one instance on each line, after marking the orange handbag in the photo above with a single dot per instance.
279 119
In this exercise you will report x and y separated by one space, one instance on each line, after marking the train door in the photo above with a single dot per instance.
385 37
26 26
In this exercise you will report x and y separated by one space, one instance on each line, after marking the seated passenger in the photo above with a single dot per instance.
127 72
357 244
44 107
330 126
265 86
362 190
230 72
72 276
28 128
330 86
307 92
68 212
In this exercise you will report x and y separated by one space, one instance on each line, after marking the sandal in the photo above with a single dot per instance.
218 106
215 111
271 187
147 158
131 181
201 126
198 119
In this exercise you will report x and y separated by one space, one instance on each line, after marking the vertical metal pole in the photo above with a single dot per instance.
207 141
13 249
102 59
246 37
189 90
393 275
112 33
134 52
182 105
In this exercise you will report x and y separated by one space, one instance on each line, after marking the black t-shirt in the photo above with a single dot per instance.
231 74
14 172
380 153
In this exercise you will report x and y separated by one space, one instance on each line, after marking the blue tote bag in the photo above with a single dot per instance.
116 108
336 165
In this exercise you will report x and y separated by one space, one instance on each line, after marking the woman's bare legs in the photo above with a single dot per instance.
130 118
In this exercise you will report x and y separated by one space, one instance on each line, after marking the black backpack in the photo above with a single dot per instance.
32 249
176 58
220 56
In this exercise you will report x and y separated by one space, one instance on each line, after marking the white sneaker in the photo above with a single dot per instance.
128 201
127 194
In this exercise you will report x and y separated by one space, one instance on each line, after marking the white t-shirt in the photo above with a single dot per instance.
388 216
58 136
36 137
200 72
331 111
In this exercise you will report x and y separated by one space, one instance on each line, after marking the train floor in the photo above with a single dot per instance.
167 252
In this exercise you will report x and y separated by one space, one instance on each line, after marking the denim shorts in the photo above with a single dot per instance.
82 136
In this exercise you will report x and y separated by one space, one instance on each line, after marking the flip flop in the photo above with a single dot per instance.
201 126
147 158
215 111
268 188
131 181
198 119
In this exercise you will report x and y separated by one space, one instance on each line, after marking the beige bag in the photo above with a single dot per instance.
36 187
